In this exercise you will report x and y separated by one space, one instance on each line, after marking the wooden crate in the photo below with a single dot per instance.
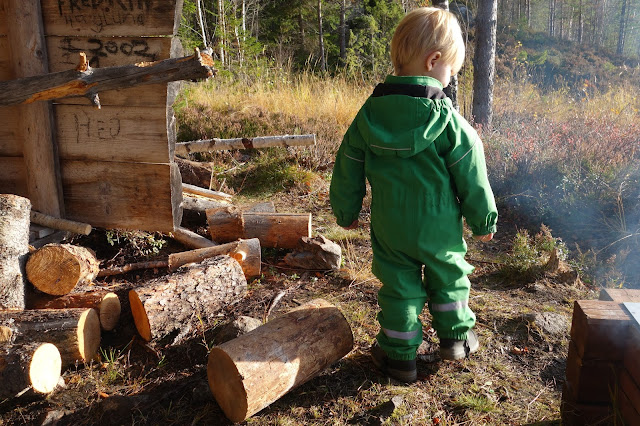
620 295
591 380
600 329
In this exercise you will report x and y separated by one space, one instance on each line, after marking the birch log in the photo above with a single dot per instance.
57 268
106 303
74 331
33 365
180 303
250 372
208 145
14 249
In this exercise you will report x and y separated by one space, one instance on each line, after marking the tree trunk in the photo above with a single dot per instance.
622 28
276 230
343 33
246 252
201 22
223 32
580 22
452 89
106 303
323 64
14 249
484 62
74 331
187 300
552 11
33 365
250 372
57 268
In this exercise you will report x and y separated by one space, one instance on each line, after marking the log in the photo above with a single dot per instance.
119 270
276 230
201 204
74 331
250 372
106 303
57 268
203 192
187 300
246 252
87 81
191 239
195 172
60 224
33 365
14 249
209 145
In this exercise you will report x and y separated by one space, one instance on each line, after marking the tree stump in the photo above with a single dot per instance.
74 331
249 373
246 252
57 268
106 303
276 230
182 302
36 365
14 248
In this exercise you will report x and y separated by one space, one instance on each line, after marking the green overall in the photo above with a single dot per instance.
426 167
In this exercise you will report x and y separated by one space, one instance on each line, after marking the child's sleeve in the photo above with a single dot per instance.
348 180
467 167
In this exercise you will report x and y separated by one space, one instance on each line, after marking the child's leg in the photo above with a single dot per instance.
401 299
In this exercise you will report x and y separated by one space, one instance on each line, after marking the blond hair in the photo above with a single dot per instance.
425 30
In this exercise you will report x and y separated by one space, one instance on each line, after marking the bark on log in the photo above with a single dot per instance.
57 268
191 239
195 172
60 224
33 365
187 299
14 249
278 230
208 145
106 303
85 81
119 270
203 192
246 252
201 204
250 372
74 331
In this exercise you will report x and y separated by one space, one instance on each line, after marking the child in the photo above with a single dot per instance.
426 168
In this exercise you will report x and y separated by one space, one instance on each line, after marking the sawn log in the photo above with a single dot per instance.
246 252
14 248
32 365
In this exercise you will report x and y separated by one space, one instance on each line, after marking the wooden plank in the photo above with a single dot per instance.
6 69
151 95
632 353
13 179
10 143
627 412
620 295
105 52
122 195
111 17
113 133
599 329
590 381
3 17
576 413
29 58
630 388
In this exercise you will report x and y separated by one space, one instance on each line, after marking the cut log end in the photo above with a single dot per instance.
140 317
45 368
110 309
89 334
227 386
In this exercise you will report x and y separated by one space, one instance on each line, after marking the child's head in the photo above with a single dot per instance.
423 31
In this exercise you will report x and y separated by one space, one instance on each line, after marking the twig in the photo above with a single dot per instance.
273 304
532 401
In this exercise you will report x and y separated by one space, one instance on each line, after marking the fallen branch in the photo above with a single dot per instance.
216 195
207 145
60 224
88 82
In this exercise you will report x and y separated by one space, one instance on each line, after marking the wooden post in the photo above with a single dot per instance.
246 252
74 331
29 58
57 268
14 249
185 300
32 365
250 372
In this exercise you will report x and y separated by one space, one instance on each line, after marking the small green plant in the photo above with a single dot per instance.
475 402
529 255
112 365
143 244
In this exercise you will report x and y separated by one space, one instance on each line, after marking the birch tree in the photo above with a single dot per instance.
484 61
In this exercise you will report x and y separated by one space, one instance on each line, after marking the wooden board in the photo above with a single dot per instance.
10 143
599 329
632 354
620 295
6 70
630 388
590 381
13 179
626 410
580 414
122 195
111 17
3 18
112 133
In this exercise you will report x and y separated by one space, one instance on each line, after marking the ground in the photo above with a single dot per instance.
515 378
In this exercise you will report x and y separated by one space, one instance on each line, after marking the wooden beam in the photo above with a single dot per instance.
87 81
208 145
29 58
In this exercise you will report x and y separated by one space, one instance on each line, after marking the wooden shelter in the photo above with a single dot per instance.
111 167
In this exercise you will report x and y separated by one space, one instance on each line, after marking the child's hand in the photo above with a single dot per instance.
484 238
353 225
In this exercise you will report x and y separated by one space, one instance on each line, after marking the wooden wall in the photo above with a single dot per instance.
115 164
